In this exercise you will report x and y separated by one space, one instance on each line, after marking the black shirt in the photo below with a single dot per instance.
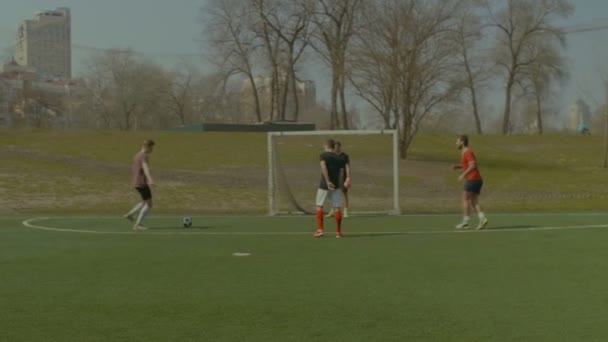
345 158
334 165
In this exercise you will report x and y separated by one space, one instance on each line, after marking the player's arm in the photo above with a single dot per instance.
325 174
146 168
472 166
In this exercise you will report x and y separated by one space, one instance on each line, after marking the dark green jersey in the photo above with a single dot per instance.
334 165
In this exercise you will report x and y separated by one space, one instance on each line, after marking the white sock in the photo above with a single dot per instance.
466 219
481 215
135 209
142 214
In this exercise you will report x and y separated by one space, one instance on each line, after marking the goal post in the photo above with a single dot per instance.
293 170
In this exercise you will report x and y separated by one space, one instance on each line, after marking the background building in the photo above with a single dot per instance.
45 43
306 92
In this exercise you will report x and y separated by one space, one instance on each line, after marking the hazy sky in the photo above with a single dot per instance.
173 26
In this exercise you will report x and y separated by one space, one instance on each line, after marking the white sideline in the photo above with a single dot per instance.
30 224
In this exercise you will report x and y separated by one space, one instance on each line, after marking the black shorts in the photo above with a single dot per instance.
473 186
145 192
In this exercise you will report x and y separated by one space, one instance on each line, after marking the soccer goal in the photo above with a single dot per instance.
294 170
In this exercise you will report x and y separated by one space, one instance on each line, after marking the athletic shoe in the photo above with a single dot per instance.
345 213
139 228
128 217
339 235
463 225
318 233
482 224
330 214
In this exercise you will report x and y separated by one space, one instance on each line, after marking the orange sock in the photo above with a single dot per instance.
338 214
320 219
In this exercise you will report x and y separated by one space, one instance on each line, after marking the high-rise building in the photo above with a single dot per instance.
45 43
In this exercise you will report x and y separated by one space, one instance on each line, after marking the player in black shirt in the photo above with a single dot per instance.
344 178
331 169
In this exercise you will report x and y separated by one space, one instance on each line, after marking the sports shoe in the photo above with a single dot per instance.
463 225
339 235
330 214
318 233
345 212
482 224
139 228
128 217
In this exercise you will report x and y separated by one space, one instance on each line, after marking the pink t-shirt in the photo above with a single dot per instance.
137 169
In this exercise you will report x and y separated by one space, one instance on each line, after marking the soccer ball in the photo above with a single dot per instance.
187 222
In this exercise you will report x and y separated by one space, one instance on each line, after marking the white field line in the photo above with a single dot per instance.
353 215
30 223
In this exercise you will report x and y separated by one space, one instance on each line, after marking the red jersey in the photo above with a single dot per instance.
465 160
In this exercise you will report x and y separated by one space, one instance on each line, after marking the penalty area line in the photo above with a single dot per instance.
30 223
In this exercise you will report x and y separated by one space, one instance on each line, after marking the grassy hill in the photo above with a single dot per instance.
88 172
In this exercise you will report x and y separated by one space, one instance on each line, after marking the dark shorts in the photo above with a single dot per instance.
473 186
145 192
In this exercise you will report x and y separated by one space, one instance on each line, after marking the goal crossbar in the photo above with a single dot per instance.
273 170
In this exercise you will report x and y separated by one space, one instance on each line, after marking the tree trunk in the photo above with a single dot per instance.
333 115
506 120
473 91
606 138
539 114
256 98
345 124
294 86
403 146
273 98
284 96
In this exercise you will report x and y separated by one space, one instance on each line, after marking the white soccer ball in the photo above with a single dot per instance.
187 222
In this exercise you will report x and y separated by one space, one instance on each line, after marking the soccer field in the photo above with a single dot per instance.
412 278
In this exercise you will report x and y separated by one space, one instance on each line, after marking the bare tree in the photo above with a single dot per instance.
337 22
126 93
468 34
541 76
519 24
230 30
286 29
180 94
406 66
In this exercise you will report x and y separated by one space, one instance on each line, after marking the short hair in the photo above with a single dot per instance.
464 139
149 143
330 143
338 144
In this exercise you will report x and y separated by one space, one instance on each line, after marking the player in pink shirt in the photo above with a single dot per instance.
142 180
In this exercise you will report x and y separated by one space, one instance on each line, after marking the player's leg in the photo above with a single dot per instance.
321 196
483 221
335 202
466 208
345 194
136 208
146 194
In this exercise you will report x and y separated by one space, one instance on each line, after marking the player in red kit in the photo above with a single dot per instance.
332 167
472 186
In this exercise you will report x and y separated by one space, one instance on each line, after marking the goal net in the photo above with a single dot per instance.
294 170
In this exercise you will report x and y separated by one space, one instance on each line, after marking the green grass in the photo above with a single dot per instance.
82 172
387 280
